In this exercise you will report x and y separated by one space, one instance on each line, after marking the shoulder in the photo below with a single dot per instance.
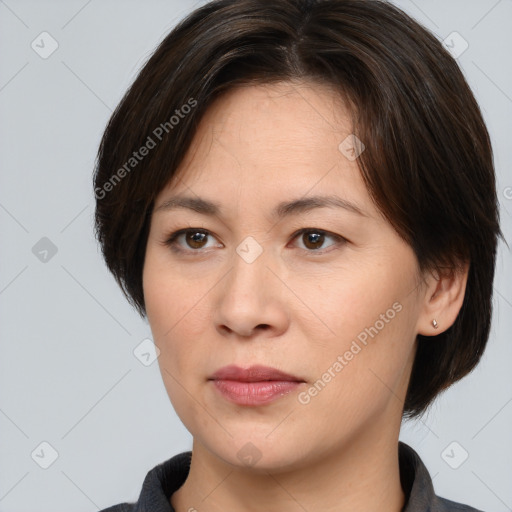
122 507
446 505
418 487
158 486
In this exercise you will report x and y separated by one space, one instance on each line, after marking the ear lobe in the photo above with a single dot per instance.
443 299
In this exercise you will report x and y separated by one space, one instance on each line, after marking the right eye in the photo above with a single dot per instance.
191 240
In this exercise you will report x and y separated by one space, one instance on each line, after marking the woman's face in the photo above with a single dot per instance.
336 307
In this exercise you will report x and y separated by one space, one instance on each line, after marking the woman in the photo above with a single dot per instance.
300 197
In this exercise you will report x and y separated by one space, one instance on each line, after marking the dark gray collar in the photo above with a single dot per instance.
166 478
418 488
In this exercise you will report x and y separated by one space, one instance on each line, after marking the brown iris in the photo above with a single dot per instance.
195 239
314 238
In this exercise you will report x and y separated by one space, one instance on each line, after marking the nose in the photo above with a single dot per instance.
251 300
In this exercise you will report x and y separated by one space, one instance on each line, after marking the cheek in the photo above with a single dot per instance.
166 295
177 313
350 298
173 313
367 315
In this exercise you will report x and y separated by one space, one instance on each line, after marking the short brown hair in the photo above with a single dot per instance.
428 162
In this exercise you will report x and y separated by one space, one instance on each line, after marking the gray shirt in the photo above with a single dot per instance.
166 478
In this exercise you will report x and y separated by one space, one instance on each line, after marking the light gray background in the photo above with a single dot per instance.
68 374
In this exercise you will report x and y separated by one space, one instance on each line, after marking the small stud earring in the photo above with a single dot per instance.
434 323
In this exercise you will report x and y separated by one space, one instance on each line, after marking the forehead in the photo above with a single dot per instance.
310 102
277 139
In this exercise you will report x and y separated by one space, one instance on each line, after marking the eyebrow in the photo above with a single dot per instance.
283 209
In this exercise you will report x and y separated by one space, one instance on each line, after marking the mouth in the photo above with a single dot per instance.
256 385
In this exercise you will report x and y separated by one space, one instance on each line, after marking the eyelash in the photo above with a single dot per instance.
171 240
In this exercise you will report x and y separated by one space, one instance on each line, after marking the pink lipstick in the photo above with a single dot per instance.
256 385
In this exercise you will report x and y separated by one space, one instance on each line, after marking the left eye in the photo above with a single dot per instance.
314 239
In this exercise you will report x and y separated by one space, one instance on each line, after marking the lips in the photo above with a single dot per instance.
253 374
257 385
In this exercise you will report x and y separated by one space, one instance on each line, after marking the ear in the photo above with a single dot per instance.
444 295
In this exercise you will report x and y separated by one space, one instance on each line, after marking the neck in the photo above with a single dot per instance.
362 474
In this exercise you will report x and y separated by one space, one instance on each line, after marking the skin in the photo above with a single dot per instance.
297 307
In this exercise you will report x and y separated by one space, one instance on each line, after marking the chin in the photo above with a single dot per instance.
259 452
